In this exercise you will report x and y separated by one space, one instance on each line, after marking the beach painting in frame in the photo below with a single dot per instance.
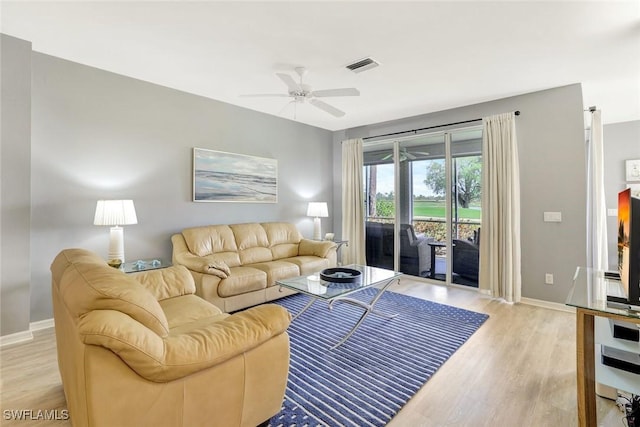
227 177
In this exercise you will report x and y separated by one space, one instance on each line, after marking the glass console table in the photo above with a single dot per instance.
589 297
143 265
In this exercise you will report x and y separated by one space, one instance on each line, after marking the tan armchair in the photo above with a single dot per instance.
141 349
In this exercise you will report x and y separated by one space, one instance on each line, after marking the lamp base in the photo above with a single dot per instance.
115 263
317 235
116 244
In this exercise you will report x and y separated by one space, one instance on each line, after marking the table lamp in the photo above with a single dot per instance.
317 210
115 213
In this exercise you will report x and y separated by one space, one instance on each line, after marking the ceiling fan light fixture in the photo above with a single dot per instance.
301 92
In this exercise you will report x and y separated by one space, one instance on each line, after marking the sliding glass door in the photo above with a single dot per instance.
380 205
422 211
466 209
423 205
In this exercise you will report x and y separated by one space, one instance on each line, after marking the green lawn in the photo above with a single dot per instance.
437 210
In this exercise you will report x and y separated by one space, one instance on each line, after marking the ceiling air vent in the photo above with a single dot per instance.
363 65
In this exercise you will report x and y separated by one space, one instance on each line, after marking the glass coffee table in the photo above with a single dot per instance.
333 292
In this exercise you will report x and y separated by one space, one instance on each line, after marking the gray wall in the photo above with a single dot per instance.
98 135
15 150
550 134
93 134
621 142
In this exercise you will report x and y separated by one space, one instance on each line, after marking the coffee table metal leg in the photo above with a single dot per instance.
305 308
368 309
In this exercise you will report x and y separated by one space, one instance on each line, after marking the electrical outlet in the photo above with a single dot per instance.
548 279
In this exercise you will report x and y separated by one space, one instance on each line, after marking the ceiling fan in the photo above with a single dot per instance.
406 155
301 93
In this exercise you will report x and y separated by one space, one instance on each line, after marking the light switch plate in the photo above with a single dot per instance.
553 217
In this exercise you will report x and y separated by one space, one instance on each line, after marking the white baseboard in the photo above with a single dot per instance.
15 338
547 304
24 336
41 324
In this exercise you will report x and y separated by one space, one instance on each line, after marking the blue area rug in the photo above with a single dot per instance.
366 380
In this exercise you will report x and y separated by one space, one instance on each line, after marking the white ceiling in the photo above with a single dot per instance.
435 55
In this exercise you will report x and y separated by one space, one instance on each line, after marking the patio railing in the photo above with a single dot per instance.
437 227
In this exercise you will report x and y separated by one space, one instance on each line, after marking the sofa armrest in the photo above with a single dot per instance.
199 264
167 282
318 248
176 356
191 261
182 256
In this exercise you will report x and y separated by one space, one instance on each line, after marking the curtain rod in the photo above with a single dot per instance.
517 113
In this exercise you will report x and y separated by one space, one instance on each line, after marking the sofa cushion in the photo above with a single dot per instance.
283 239
309 264
252 243
277 270
187 309
281 232
167 282
242 280
198 323
208 240
284 250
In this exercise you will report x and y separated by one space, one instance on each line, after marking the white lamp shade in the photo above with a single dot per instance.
115 212
318 209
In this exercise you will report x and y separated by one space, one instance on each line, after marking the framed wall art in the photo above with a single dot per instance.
633 170
227 177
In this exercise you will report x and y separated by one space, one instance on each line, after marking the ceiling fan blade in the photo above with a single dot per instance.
345 91
288 80
265 95
326 107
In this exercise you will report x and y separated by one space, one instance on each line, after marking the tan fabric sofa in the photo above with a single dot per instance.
237 266
142 350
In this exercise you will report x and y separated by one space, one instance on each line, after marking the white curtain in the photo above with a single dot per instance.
353 202
597 253
500 244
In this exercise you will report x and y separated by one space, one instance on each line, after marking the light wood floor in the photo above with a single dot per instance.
518 369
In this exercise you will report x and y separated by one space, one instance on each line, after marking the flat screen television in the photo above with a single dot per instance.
629 245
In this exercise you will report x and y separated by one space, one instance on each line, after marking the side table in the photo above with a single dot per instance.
340 244
589 297
434 245
144 265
